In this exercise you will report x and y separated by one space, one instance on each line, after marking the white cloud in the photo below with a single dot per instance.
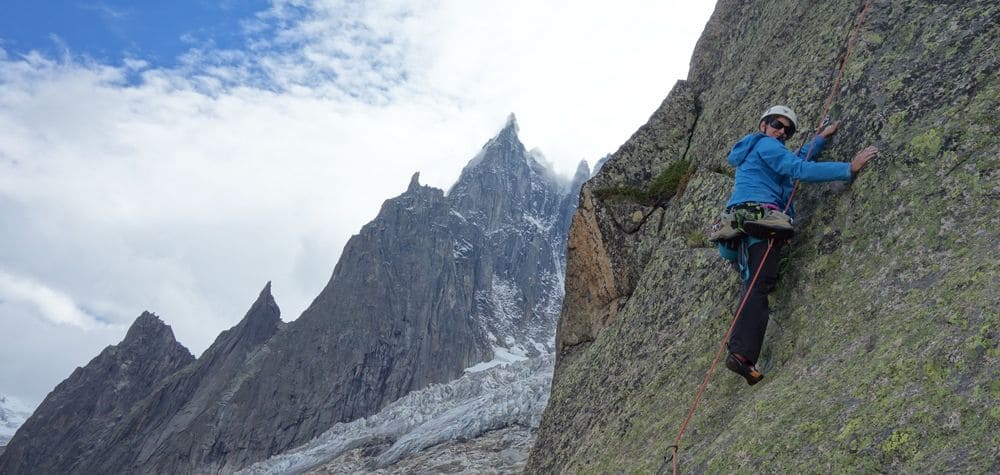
184 193
54 306
106 11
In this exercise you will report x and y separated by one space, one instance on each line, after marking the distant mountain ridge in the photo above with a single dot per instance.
433 285
13 413
76 420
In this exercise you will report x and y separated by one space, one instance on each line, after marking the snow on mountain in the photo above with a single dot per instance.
13 413
503 397
501 357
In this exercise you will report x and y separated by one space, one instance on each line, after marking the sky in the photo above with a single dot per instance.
176 156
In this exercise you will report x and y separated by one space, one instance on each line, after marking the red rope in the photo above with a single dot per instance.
833 90
715 362
770 243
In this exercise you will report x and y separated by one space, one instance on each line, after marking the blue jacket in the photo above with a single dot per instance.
765 169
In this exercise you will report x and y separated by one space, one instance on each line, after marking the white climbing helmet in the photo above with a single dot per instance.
783 111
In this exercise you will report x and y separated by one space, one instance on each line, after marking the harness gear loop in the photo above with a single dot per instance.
770 243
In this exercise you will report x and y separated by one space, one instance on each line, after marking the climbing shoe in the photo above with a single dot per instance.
774 224
739 366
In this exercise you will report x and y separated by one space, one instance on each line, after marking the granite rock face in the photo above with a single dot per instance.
183 412
430 287
78 418
434 285
882 350
507 211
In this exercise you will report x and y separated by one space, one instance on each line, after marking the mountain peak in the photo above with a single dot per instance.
509 131
264 315
511 125
148 326
505 148
90 403
414 182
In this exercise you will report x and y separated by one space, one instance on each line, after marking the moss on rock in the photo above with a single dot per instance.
669 182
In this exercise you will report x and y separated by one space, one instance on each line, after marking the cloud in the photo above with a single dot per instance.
339 49
106 11
182 190
54 306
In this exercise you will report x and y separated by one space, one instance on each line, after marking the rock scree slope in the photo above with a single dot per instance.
882 351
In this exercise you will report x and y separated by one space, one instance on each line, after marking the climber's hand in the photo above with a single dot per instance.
862 158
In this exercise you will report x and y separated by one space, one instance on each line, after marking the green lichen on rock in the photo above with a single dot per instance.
882 352
927 144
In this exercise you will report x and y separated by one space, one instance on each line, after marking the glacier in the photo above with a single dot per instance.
513 395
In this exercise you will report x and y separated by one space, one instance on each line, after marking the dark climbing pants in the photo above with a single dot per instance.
748 334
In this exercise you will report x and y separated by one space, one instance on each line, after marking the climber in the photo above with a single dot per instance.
765 168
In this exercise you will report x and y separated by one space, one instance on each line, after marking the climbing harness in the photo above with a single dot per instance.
770 243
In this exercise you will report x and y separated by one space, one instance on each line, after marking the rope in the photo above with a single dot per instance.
770 242
833 90
722 346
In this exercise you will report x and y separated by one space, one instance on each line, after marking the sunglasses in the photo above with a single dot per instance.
777 125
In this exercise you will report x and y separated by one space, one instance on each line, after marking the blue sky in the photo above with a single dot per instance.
111 30
176 156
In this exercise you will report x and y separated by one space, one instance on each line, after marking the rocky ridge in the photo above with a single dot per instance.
180 413
434 285
79 417
882 351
